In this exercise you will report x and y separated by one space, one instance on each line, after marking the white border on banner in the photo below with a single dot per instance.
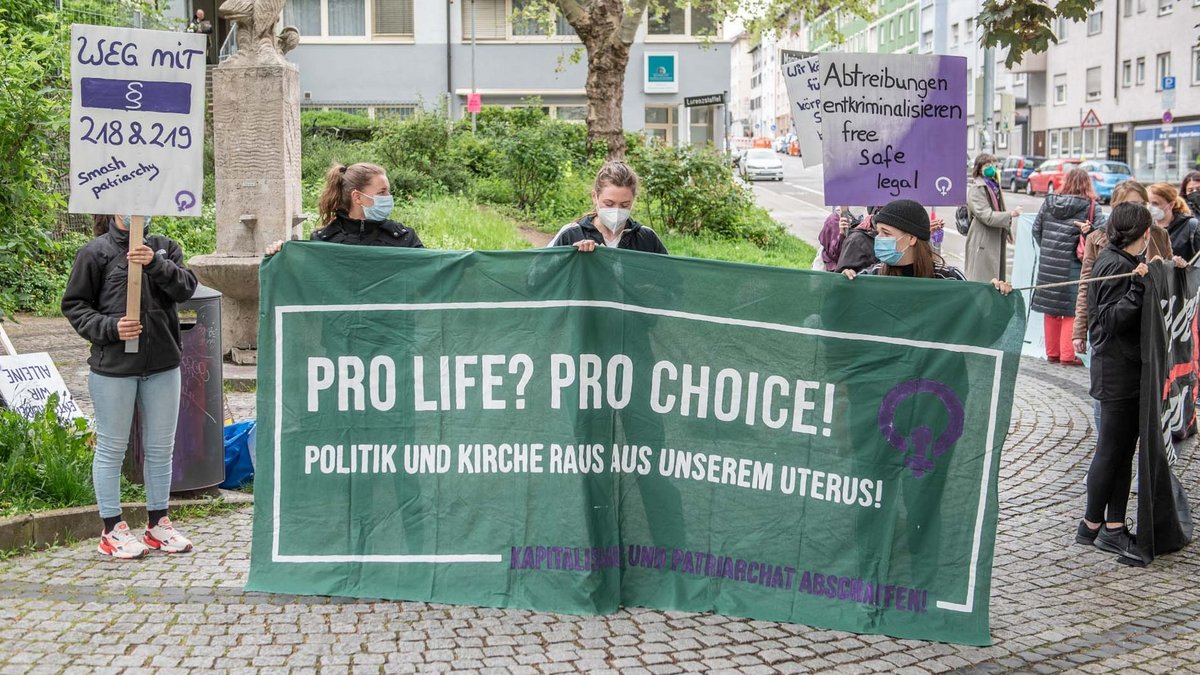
280 311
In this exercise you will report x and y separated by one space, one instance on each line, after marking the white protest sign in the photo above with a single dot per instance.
803 81
137 121
28 380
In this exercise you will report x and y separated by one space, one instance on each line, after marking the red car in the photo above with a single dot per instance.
1048 178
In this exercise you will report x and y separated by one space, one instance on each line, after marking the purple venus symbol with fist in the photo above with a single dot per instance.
920 448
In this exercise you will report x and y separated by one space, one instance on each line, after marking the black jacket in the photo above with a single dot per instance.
635 237
858 250
1185 236
1115 327
1057 236
95 300
345 230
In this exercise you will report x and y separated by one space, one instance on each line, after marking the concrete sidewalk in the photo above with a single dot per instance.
1056 606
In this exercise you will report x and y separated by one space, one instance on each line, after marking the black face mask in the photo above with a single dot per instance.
1193 201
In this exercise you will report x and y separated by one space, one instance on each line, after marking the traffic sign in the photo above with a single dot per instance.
1090 120
1168 117
1168 82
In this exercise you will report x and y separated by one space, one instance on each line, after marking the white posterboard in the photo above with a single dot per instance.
803 81
137 121
28 380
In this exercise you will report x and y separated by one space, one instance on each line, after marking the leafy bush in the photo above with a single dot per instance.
533 162
495 190
318 152
47 464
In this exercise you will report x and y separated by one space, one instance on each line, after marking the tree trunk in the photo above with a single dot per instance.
607 62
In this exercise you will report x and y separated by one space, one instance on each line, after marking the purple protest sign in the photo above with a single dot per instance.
894 126
135 95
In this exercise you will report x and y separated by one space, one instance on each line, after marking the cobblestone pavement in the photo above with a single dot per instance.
1056 606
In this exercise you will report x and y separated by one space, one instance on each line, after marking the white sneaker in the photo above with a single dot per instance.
166 538
120 543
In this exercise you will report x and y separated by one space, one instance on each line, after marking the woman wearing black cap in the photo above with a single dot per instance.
903 249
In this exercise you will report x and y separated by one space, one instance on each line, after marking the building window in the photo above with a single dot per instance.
1093 84
569 113
531 27
1054 146
954 35
1001 140
969 31
1141 6
1141 70
1060 89
491 20
701 125
1061 29
660 123
927 41
1126 73
350 18
1195 66
374 111
669 19
1095 23
912 20
1162 69
1128 7
1165 7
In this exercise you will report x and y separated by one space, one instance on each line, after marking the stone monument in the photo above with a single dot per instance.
256 131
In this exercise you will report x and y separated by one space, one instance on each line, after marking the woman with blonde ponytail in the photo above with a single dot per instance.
354 209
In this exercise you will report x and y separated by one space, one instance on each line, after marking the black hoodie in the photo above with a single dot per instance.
95 300
346 230
635 236
1185 236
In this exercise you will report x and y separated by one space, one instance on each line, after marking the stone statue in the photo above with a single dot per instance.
256 142
258 43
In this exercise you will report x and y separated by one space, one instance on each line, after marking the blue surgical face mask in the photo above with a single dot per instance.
380 208
885 250
127 220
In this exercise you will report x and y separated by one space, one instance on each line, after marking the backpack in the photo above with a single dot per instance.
962 220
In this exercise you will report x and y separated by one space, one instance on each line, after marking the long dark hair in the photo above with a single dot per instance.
1127 223
982 160
101 222
923 264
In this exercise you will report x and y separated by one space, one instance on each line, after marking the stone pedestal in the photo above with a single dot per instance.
256 130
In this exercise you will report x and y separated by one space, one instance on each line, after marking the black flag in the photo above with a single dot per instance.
1168 391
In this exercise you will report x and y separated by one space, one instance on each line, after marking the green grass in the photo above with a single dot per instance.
789 252
456 224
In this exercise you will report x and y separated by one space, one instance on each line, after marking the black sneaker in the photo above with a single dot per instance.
1121 542
1086 535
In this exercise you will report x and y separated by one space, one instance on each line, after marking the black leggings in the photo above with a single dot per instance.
1112 466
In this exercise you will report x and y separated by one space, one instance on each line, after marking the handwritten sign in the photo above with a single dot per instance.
803 81
894 126
137 121
28 380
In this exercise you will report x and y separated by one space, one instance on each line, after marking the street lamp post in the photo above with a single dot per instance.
474 115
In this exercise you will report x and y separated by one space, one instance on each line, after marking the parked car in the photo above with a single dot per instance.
1048 178
760 163
1106 175
1016 169
784 142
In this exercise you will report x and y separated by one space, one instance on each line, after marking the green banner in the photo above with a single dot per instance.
576 432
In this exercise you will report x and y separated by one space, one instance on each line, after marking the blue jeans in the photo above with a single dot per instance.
113 398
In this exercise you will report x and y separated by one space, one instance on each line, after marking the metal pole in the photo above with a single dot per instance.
986 135
473 114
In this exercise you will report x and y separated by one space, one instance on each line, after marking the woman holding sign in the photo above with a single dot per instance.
355 207
94 303
609 223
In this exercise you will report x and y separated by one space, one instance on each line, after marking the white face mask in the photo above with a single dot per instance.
613 219
1157 214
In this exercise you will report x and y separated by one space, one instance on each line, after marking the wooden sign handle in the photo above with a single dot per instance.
133 299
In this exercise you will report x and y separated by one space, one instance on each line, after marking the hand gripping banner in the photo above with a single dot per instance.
576 432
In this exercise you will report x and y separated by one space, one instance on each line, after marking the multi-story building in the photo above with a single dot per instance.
949 27
382 57
894 30
1119 64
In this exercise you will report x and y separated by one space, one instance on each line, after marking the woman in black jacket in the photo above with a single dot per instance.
1172 212
94 303
1056 229
354 209
1114 328
609 224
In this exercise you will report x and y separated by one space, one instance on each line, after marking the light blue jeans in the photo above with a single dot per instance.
113 398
